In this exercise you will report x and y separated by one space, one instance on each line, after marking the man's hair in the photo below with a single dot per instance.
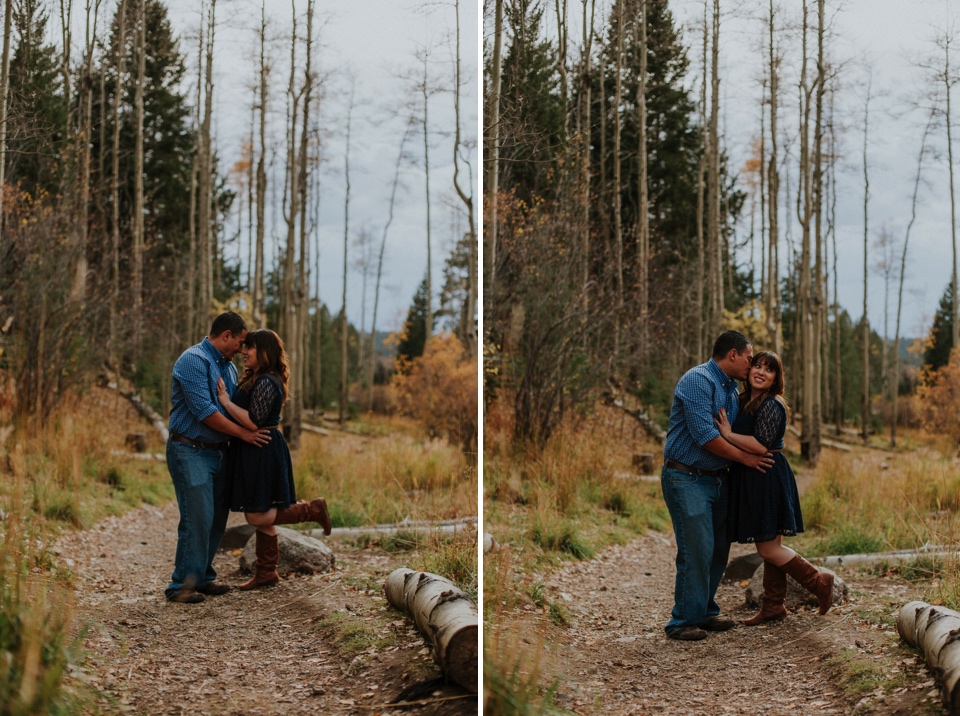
228 321
730 340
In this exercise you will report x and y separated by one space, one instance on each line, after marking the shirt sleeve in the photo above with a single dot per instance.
192 372
262 399
770 422
696 396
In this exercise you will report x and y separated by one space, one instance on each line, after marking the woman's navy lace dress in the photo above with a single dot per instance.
260 478
763 504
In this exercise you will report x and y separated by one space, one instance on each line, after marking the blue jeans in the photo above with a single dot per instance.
199 483
698 509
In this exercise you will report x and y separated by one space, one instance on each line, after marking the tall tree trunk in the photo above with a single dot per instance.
115 182
291 210
493 173
468 324
383 244
643 195
805 285
346 242
895 383
774 324
426 173
585 133
259 273
714 238
948 81
84 141
865 397
563 38
817 286
138 227
617 181
4 93
206 219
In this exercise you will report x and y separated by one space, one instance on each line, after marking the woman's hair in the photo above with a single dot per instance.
271 358
750 402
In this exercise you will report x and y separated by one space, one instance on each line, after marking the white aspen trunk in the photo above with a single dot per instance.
467 325
83 140
865 397
700 310
493 173
617 180
805 287
563 36
585 130
115 181
933 630
817 286
259 287
4 93
138 227
342 400
714 239
443 614
948 80
426 173
383 244
205 241
643 194
774 325
895 383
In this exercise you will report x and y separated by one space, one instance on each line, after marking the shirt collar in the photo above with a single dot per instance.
725 380
213 352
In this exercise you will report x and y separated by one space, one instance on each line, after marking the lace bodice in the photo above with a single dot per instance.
264 402
767 424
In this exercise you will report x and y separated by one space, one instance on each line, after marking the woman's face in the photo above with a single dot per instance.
249 357
762 376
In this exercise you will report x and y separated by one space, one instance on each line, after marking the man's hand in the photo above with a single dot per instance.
256 437
760 463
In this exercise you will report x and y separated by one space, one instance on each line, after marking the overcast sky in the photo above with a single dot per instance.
373 42
888 39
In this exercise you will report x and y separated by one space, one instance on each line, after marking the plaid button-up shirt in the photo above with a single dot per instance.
194 392
699 395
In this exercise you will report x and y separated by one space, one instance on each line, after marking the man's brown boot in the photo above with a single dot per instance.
818 583
313 511
774 595
268 556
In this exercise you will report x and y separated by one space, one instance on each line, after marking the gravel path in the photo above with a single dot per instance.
615 659
318 644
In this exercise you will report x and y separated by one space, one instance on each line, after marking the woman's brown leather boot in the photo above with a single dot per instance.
818 583
313 511
268 556
774 595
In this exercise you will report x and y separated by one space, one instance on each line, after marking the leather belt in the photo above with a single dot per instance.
198 443
674 465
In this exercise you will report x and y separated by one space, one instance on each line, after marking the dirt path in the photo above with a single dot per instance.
320 644
615 659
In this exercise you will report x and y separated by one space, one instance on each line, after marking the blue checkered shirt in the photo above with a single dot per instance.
699 395
194 393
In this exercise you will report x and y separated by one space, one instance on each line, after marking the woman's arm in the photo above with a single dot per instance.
239 414
747 443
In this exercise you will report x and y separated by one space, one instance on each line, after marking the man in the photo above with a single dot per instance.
696 459
199 435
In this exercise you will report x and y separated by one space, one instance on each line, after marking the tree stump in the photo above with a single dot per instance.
644 463
136 441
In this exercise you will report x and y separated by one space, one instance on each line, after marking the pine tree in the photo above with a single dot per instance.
940 343
169 140
531 108
37 109
414 335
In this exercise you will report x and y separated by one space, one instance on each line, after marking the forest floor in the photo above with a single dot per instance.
614 658
326 643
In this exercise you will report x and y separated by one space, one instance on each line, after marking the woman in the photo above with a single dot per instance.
765 507
260 480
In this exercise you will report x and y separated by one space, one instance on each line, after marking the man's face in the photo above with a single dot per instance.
741 363
232 343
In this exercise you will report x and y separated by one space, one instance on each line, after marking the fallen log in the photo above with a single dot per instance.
899 556
936 632
445 616
823 441
426 527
